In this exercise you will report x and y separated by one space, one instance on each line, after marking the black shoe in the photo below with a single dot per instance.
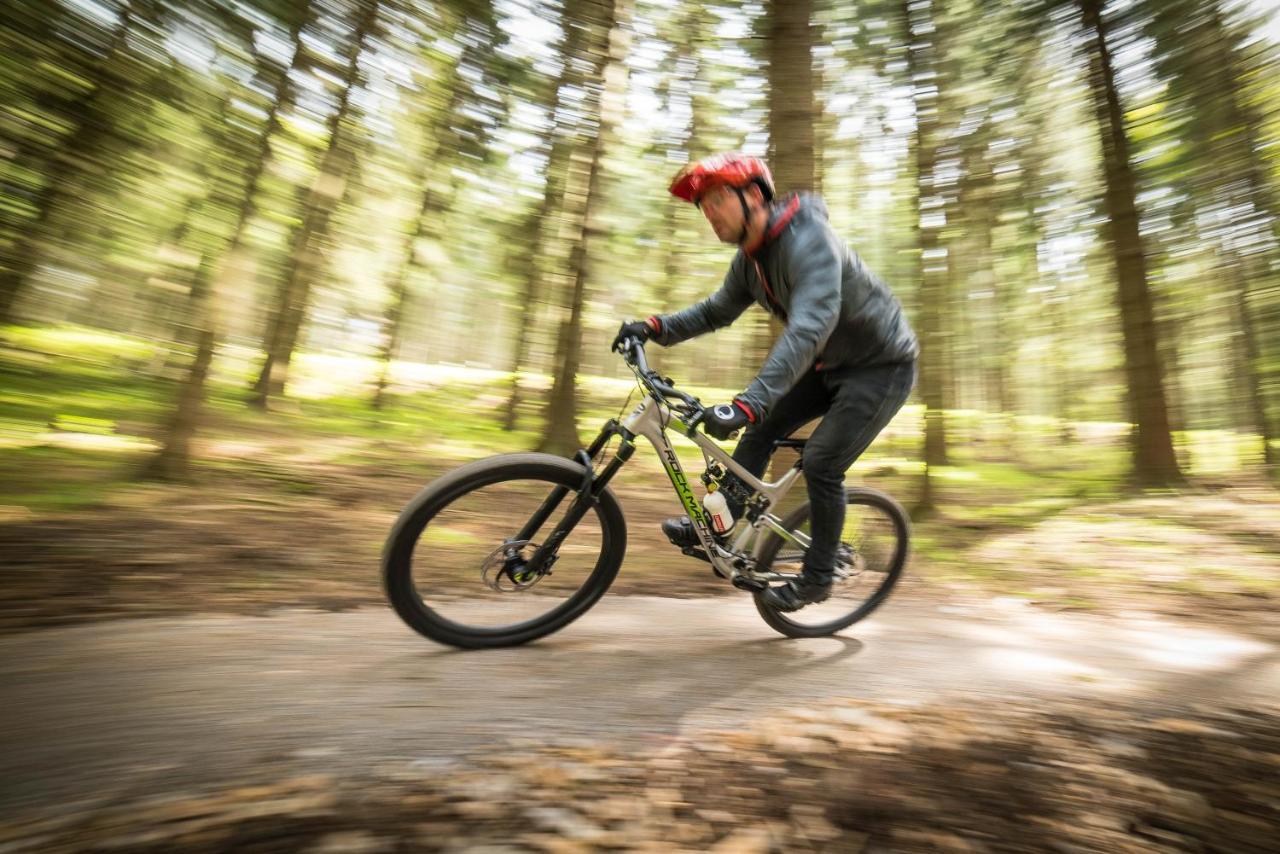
680 532
806 590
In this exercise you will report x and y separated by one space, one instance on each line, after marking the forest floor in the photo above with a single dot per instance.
253 536
289 510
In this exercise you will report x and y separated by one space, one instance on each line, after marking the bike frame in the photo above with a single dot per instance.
650 420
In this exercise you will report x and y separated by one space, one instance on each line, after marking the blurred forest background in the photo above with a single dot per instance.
268 247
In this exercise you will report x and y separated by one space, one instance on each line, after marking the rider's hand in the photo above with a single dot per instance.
642 329
726 419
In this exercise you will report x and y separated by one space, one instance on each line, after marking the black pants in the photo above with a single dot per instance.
856 404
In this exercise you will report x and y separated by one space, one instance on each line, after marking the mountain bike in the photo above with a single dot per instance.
508 549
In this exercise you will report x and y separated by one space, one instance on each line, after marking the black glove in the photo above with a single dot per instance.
642 329
726 419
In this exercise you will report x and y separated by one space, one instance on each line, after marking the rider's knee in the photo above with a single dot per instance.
822 466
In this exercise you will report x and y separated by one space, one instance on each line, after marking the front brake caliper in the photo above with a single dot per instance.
508 561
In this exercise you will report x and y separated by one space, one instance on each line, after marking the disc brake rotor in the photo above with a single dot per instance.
506 569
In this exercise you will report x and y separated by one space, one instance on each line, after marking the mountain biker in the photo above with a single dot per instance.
847 352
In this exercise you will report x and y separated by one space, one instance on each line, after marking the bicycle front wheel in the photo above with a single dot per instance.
872 552
458 565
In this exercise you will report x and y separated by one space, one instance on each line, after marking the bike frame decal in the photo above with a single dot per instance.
650 420
691 505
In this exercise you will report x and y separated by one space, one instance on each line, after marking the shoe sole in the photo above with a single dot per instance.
773 603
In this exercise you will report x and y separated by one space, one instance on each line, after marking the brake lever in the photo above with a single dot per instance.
697 419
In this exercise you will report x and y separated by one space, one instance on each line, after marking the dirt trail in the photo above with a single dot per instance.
122 708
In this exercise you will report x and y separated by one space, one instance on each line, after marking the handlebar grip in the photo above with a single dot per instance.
634 354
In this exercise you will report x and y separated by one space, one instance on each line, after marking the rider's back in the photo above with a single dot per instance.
838 314
871 328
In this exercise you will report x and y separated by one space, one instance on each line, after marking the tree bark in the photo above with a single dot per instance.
559 142
1251 354
524 310
204 309
173 460
560 435
922 70
791 94
688 36
188 329
792 112
991 350
1238 143
1153 460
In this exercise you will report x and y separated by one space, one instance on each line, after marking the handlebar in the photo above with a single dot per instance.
633 352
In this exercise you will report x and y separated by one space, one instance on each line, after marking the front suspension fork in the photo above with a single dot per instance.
586 497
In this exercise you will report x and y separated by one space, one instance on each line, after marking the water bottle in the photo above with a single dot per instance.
718 511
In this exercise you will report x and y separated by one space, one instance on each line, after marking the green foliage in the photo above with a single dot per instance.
162 165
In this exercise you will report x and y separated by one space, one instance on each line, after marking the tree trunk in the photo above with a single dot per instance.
524 312
1238 144
953 318
1062 387
1250 377
689 38
391 324
1153 462
792 113
990 358
173 460
664 294
702 103
922 69
560 434
183 331
542 229
791 94
1171 362
326 192
189 329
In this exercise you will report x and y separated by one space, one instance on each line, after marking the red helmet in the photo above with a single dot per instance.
732 169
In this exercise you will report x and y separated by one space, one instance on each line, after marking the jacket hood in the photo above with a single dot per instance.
798 206
810 205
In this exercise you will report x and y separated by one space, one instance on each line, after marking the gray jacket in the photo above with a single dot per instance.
838 313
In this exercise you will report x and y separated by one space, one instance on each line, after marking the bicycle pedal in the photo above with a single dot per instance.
694 551
742 582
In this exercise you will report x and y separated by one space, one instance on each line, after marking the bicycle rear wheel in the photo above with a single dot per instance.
872 553
457 570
